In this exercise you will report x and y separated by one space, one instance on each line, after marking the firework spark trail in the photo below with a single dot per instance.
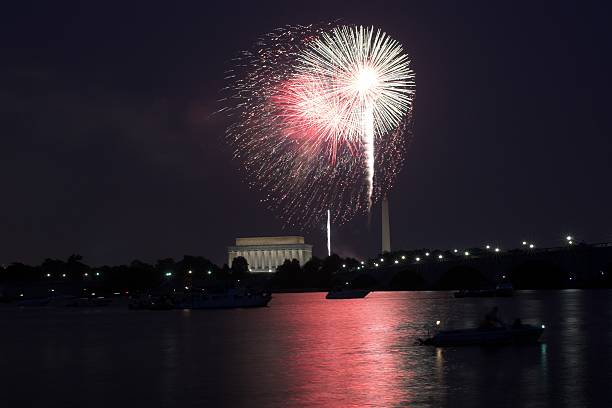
368 144
316 111
328 233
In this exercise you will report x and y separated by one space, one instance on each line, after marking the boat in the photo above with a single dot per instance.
150 302
501 290
344 293
233 298
484 336
35 302
99 301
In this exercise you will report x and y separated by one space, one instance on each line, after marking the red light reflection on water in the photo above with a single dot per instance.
347 353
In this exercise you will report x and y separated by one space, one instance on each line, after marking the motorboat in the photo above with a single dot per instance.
150 302
99 301
35 302
346 293
501 290
483 336
233 298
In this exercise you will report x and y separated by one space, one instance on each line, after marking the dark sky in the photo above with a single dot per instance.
108 147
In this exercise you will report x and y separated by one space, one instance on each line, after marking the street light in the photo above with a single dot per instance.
426 253
403 257
418 259
524 242
396 261
466 253
531 246
455 250
569 238
496 249
440 256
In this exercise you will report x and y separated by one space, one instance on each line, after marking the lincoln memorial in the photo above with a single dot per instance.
264 254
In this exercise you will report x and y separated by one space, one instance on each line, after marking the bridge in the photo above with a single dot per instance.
578 265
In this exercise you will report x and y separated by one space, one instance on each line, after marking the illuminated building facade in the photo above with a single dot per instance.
264 254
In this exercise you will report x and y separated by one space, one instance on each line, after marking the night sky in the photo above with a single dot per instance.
109 146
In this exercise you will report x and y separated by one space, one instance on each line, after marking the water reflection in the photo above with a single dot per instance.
306 351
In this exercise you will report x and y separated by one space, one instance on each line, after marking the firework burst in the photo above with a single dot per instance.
320 117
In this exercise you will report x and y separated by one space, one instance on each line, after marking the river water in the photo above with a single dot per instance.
304 350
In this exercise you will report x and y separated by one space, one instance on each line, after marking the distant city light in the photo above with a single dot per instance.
63 275
376 265
209 272
97 273
543 326
396 261
85 274
48 275
440 256
403 257
362 262
466 253
488 247
437 322
382 260
569 238
418 259
344 265
503 276
346 283
21 294
496 249
531 246
455 250
186 287
168 273
524 242
571 242
190 271
426 253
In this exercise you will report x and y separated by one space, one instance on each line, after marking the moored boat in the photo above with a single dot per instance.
342 293
35 302
229 299
99 301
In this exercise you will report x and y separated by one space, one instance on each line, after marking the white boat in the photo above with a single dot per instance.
341 293
229 299
99 301
35 302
